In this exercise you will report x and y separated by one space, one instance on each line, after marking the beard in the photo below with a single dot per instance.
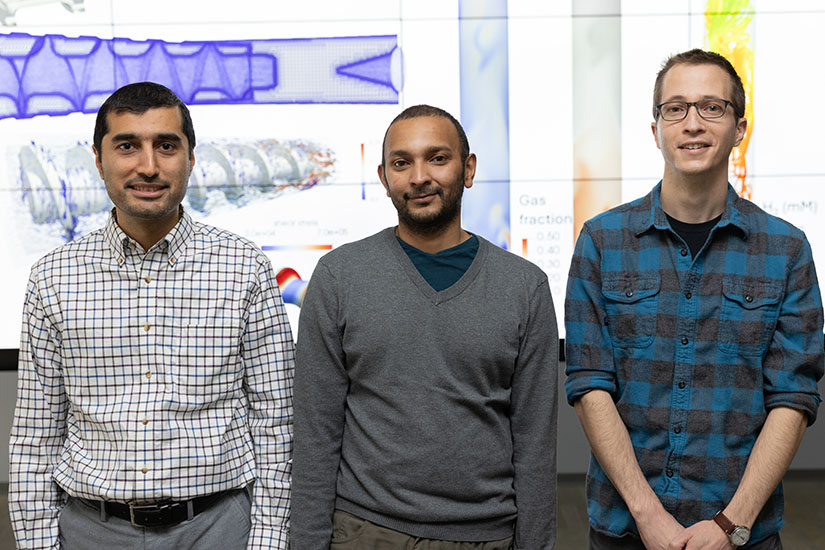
432 222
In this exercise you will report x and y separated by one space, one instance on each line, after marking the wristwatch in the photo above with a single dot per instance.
738 534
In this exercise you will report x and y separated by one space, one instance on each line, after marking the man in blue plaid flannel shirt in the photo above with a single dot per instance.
694 338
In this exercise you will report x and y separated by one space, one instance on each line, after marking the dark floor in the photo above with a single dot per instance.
804 513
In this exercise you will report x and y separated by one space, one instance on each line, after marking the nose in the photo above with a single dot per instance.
148 165
419 174
693 122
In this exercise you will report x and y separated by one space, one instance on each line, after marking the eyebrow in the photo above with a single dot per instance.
429 151
129 136
682 98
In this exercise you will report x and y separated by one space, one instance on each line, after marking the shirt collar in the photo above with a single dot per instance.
179 237
651 214
175 241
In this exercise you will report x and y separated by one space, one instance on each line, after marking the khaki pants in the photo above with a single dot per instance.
350 532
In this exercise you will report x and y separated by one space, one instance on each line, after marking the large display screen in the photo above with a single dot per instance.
290 101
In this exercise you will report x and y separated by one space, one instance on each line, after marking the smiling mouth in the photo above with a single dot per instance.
420 196
694 146
147 187
147 191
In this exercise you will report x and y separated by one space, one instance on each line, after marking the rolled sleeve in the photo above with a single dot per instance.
794 362
588 348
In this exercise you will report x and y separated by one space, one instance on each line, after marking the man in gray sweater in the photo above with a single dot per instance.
426 372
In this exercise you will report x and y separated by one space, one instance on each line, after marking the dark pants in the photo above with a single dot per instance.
350 532
600 541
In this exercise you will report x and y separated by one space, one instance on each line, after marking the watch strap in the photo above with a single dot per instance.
723 522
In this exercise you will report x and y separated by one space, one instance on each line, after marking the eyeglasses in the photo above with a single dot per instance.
673 111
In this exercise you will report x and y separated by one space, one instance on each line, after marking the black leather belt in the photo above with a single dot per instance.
157 514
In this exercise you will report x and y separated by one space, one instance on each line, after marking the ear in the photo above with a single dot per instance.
383 179
469 170
741 128
98 163
655 131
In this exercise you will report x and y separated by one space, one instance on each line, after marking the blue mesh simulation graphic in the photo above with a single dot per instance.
58 75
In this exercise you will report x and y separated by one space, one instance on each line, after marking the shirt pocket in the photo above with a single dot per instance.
631 305
748 317
207 363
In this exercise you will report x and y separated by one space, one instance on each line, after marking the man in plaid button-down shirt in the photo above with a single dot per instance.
155 375
694 338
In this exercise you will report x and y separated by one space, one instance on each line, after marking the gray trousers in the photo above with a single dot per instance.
351 532
223 526
600 541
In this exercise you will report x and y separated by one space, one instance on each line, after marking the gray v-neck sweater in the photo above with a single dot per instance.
431 413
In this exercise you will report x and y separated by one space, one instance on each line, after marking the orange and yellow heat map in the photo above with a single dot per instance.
728 33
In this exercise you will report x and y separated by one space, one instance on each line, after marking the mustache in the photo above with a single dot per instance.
423 193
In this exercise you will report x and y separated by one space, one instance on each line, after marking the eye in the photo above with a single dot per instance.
399 163
712 107
440 158
674 108
167 147
125 146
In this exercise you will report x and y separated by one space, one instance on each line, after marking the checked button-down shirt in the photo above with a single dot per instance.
694 351
152 375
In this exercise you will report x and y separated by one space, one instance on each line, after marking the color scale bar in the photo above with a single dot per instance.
279 247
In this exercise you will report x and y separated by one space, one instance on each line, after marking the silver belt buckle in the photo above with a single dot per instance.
133 507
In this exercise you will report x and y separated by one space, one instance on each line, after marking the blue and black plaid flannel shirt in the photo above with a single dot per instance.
694 351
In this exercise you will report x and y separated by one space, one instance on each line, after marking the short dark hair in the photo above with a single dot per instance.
417 111
697 56
138 98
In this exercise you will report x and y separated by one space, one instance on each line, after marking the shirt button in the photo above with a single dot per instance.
684 252
688 295
748 298
677 430
629 292
144 470
669 472
681 385
684 341
120 261
144 421
146 328
148 374
172 260
148 280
